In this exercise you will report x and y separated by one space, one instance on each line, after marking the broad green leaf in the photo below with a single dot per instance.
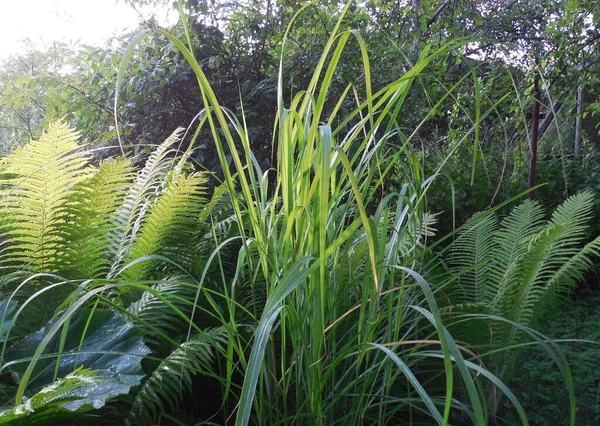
76 393
292 279
103 341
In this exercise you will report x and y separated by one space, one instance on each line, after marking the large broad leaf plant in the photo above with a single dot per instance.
101 358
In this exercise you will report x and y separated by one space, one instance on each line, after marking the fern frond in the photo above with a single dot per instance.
512 243
411 234
149 309
94 204
570 272
166 387
127 220
553 261
168 227
471 256
575 211
529 262
41 179
215 223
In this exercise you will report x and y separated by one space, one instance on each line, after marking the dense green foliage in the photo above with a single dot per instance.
537 376
67 226
361 253
517 270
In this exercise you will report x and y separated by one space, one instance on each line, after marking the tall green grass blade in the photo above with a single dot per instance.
413 380
289 282
477 123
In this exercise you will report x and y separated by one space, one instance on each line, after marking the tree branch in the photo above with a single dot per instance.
437 12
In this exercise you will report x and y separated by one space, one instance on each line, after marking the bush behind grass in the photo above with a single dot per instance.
537 382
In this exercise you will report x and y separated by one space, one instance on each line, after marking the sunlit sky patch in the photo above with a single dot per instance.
83 21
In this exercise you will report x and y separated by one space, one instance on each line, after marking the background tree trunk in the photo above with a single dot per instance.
578 123
535 126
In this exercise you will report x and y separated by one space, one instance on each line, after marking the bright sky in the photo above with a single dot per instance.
44 21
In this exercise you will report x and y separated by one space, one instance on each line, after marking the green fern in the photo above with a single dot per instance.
94 205
168 226
39 180
147 186
150 312
519 269
217 222
61 215
474 248
513 248
412 235
172 379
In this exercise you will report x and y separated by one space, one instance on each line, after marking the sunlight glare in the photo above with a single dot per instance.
46 21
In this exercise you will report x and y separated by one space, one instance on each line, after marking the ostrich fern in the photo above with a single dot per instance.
145 190
172 380
60 214
519 268
168 226
37 185
94 205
